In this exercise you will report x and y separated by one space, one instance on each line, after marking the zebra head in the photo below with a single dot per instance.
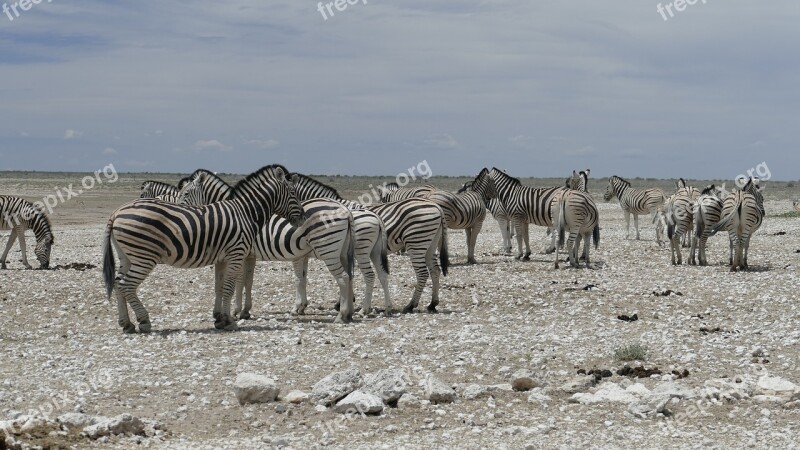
387 189
614 183
272 188
680 184
483 184
192 192
578 181
42 251
44 237
756 191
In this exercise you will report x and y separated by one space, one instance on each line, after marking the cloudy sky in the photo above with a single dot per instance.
537 87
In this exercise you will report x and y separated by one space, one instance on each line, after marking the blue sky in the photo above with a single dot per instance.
537 87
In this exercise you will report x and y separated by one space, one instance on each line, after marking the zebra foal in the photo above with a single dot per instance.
20 215
148 232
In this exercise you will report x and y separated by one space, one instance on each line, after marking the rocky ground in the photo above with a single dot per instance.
719 370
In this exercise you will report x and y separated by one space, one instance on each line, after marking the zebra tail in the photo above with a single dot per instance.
109 264
351 247
723 223
596 235
444 257
562 221
699 222
670 216
383 242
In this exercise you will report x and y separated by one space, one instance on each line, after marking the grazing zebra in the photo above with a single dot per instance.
579 181
526 205
577 214
415 224
19 215
679 217
466 210
742 214
706 211
499 213
149 232
327 234
634 201
392 192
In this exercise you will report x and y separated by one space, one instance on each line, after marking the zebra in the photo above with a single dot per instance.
153 189
19 215
327 233
634 201
148 232
579 215
526 205
796 205
706 211
499 213
679 218
392 192
742 214
683 186
466 210
416 224
578 181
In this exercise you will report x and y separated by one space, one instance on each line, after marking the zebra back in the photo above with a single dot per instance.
534 205
152 189
204 187
637 201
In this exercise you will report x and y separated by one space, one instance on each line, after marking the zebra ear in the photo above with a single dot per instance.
294 178
574 173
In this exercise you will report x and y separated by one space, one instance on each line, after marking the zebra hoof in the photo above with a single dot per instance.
432 309
408 309
337 306
231 327
472 261
245 315
526 258
220 324
128 328
144 326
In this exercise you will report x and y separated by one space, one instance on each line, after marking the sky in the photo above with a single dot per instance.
536 87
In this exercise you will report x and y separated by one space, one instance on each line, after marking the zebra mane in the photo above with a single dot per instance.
248 180
187 179
621 180
39 222
157 183
392 185
207 173
513 181
464 187
305 178
709 190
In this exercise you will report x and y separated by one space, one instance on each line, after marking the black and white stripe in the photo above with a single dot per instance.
707 211
742 214
634 201
149 232
327 234
679 218
578 215
499 213
392 192
579 181
20 215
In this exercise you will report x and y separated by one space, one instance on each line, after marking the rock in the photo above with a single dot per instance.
538 395
474 391
759 352
360 402
255 388
436 391
407 401
504 371
280 409
580 383
607 392
649 406
388 384
638 389
280 442
75 422
675 390
122 424
336 386
777 387
37 426
499 387
523 381
296 397
723 389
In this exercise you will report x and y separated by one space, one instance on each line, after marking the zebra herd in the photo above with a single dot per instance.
275 215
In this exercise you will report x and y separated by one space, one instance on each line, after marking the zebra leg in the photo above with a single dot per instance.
301 281
692 251
247 283
127 286
627 224
505 232
23 248
10 243
636 225
519 228
383 277
233 275
527 238
701 250
219 280
365 266
472 240
572 248
745 243
421 270
433 269
345 298
586 237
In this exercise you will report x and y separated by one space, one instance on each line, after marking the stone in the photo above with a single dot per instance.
649 406
296 397
75 422
474 391
121 424
360 402
675 390
580 383
388 384
523 381
255 388
538 395
407 401
437 391
777 387
606 392
336 386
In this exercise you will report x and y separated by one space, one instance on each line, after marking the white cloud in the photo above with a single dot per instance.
212 145
72 134
444 141
264 144
110 151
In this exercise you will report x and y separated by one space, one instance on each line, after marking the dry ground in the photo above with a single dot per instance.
61 349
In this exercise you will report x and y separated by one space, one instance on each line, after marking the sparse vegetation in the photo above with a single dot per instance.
788 214
631 352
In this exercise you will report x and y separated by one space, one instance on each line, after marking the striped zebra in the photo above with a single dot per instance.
415 224
796 205
147 232
19 215
159 189
578 214
392 192
499 213
679 217
634 201
578 181
742 214
327 234
466 210
526 205
683 186
707 211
